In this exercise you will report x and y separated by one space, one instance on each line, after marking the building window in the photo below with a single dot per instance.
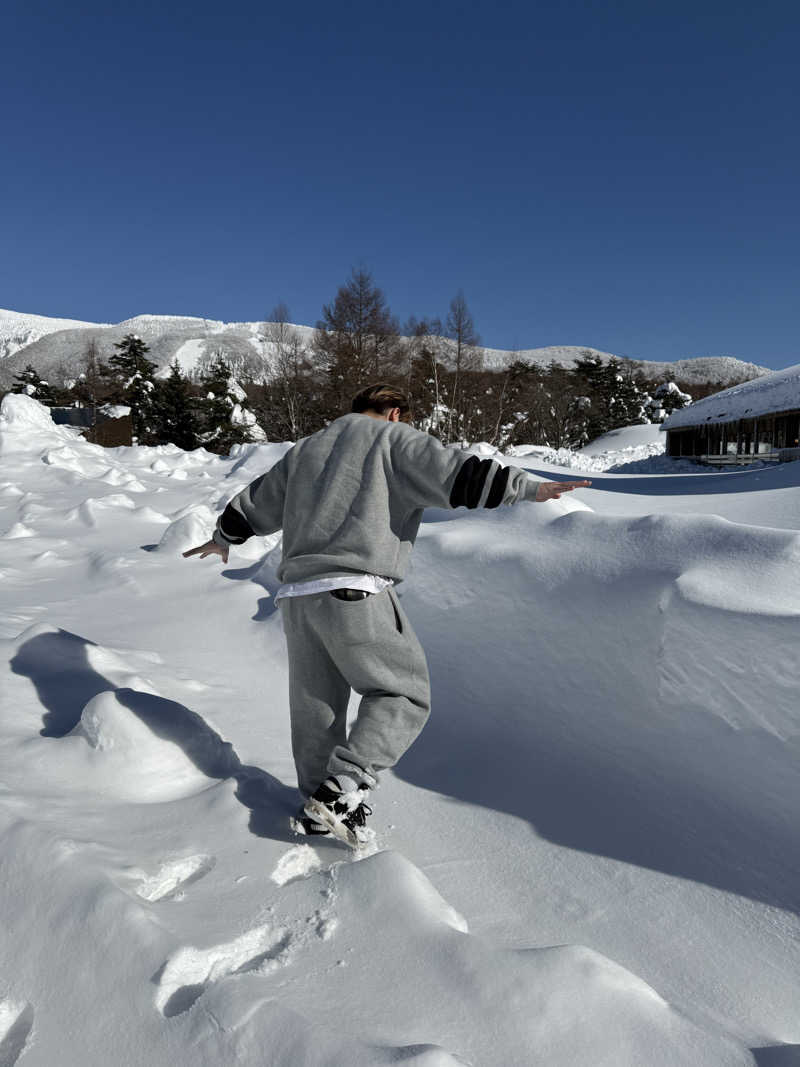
780 431
746 437
766 435
731 438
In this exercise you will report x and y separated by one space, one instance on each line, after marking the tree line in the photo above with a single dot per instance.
302 384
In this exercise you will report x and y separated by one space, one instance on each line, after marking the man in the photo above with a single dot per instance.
349 500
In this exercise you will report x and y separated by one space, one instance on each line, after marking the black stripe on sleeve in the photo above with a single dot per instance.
498 489
234 527
470 481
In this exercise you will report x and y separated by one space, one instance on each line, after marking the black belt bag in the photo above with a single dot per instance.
350 594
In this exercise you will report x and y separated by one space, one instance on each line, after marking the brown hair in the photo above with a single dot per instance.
382 398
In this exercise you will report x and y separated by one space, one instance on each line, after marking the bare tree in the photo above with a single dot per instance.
357 337
465 355
424 373
290 370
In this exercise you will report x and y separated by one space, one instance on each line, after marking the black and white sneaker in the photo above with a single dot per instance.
306 826
339 804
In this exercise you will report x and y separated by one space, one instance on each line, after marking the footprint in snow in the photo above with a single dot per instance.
16 1023
190 971
171 878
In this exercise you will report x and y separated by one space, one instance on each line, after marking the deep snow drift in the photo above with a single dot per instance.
588 858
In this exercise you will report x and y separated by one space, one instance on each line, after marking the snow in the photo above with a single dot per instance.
114 411
779 391
186 336
18 329
587 858
188 356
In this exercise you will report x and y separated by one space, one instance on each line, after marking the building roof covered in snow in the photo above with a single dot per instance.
779 391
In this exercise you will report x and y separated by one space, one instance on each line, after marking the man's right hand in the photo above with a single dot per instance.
553 490
210 548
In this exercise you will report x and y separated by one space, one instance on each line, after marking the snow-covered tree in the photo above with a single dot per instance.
132 372
666 399
174 418
223 415
30 383
615 398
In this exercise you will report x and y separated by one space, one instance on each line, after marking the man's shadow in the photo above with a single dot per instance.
59 667
259 573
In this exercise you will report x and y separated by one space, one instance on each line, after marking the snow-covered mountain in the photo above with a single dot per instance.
588 857
56 348
695 371
18 330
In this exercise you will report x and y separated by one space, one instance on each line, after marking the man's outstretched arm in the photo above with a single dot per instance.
439 476
256 510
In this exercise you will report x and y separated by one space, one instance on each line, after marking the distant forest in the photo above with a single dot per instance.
305 383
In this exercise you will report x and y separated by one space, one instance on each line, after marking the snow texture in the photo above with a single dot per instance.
588 858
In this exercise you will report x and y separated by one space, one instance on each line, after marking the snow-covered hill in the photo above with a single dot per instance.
587 858
695 371
57 350
18 330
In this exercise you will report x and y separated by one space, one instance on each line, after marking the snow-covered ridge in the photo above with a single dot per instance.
18 329
778 391
51 345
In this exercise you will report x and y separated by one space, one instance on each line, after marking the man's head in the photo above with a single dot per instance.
383 402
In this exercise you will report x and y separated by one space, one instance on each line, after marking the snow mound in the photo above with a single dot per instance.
465 1000
124 757
187 532
25 423
18 529
625 437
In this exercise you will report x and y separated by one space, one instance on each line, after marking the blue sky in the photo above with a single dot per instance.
622 174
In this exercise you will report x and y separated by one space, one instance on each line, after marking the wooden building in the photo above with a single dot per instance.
109 427
758 420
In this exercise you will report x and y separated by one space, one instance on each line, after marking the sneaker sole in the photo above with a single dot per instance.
297 826
319 812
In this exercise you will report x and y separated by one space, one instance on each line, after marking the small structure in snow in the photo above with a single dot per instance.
108 425
759 419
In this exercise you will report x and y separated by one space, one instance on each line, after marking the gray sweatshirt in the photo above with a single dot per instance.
350 497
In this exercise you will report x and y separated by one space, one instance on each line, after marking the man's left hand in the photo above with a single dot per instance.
210 548
553 490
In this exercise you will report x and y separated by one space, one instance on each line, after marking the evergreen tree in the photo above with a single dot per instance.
31 384
133 373
629 399
668 397
614 397
174 419
220 396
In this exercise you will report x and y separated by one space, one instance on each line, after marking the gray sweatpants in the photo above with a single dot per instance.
338 645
